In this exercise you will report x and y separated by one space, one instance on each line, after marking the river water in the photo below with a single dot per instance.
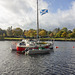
60 61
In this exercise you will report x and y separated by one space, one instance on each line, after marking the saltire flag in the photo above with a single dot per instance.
44 11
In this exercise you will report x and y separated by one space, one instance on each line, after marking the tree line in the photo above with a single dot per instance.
56 33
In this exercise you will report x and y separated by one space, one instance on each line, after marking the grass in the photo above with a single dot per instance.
58 39
43 39
12 38
15 39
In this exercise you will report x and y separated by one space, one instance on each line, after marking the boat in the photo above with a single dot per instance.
34 46
39 48
36 51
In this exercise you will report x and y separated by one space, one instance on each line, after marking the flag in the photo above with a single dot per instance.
44 11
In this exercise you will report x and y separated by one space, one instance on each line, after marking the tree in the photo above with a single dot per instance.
48 33
72 35
4 33
64 34
69 35
17 32
56 30
0 32
42 33
64 29
59 34
69 31
9 31
74 30
51 35
30 33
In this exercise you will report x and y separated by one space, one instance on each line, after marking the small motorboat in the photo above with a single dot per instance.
37 51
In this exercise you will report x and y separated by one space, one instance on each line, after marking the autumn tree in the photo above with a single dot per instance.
25 32
51 35
17 32
64 29
42 33
64 34
9 31
72 35
30 33
59 34
69 35
74 30
48 33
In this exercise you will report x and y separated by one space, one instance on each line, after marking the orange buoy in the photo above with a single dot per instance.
73 46
57 47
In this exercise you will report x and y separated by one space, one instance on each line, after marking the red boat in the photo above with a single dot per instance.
26 45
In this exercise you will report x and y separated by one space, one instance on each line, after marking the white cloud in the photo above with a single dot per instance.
65 18
22 13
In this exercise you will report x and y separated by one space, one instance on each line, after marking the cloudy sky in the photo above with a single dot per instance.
22 13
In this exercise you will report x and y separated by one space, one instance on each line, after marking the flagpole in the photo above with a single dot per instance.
37 22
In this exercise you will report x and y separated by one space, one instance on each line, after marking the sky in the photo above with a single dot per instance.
22 13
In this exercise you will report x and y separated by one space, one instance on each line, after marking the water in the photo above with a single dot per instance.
60 61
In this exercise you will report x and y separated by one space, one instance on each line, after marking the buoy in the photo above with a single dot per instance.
73 46
57 47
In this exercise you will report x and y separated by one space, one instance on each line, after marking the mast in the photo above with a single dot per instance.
37 22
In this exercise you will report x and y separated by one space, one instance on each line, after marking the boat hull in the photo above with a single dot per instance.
44 51
20 49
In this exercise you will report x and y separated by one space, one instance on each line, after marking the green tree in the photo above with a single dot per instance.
64 29
17 32
59 34
64 34
74 30
69 31
72 35
42 33
48 33
69 35
0 32
9 31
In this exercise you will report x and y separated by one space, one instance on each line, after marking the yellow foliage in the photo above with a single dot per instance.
42 33
30 33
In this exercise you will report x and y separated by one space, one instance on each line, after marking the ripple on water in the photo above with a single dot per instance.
60 61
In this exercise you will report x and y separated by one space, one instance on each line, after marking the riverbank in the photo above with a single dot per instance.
58 39
42 39
11 39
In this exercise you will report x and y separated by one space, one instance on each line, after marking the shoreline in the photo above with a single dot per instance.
42 39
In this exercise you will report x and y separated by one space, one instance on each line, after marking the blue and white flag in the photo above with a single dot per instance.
44 11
